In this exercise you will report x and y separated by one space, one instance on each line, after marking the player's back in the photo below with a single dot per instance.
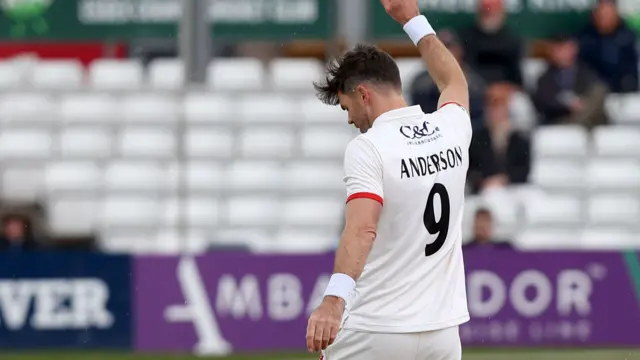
413 280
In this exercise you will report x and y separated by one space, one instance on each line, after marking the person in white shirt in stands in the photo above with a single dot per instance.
398 288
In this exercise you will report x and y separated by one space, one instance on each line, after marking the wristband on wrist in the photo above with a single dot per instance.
342 286
417 28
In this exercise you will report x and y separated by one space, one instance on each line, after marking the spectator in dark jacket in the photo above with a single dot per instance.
424 91
569 92
491 48
17 234
608 47
483 232
499 156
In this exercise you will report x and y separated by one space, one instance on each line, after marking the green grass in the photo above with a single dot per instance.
503 354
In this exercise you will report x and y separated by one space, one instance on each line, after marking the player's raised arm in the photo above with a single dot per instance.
442 66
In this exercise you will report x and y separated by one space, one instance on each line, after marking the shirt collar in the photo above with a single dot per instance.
409 111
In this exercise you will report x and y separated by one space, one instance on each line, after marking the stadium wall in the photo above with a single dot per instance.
225 302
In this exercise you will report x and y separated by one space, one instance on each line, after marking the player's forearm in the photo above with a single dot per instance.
355 246
442 65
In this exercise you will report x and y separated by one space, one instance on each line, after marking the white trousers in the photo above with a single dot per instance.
430 345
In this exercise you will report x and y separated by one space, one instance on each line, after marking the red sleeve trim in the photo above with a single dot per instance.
451 102
366 195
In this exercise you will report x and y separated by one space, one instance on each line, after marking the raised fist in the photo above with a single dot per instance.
401 10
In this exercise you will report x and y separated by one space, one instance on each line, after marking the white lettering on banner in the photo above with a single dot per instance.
285 297
476 282
239 300
574 290
537 305
58 304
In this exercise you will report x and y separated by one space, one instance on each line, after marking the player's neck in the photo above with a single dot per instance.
389 104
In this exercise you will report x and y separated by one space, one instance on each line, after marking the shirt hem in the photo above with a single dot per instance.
363 326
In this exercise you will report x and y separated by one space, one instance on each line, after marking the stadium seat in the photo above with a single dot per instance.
22 183
127 212
269 109
207 143
73 176
11 77
505 208
558 174
295 74
72 215
236 74
253 175
314 111
532 70
560 141
204 176
127 241
90 109
623 109
329 142
27 109
166 74
266 142
149 143
85 143
175 242
310 211
199 212
614 175
616 209
314 176
107 74
256 240
57 75
523 113
608 238
207 108
617 141
537 239
409 69
558 210
304 241
261 210
23 144
150 109
136 176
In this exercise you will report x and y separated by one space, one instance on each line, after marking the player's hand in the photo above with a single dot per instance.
401 10
324 323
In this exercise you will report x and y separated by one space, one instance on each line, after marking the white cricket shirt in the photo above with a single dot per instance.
415 164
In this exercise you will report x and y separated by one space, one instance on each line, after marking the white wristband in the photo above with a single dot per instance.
417 28
342 286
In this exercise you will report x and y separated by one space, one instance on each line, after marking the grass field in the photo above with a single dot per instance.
469 355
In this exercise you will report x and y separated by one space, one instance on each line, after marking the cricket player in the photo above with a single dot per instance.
398 288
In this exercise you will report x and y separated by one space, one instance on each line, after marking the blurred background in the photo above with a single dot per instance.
169 184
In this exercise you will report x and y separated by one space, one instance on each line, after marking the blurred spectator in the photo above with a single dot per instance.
608 46
498 154
483 231
17 234
569 92
425 93
491 48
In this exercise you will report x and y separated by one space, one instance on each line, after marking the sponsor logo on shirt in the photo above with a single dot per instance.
420 134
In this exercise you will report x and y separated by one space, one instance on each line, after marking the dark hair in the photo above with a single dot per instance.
365 63
483 212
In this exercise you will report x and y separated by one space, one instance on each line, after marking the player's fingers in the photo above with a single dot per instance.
326 336
311 333
317 341
333 334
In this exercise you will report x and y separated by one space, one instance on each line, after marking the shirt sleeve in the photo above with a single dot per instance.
363 171
459 115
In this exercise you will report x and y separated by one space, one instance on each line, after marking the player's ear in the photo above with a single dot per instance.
363 93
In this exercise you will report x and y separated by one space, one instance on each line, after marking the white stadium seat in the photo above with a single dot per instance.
523 113
295 74
136 176
22 183
532 70
624 109
253 175
554 210
409 69
89 108
131 211
328 142
558 174
268 109
320 211
150 109
548 239
608 238
620 209
207 108
85 143
314 111
254 211
236 74
107 74
202 212
23 144
623 141
27 109
204 176
147 143
166 74
615 175
266 142
209 143
57 75
73 176
560 141
11 76
314 176
304 241
72 215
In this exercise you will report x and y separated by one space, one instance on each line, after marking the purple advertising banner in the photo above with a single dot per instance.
223 302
